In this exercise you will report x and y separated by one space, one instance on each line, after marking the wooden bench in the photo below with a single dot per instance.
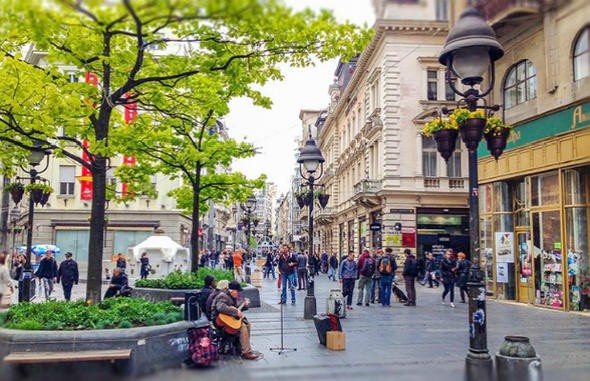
53 357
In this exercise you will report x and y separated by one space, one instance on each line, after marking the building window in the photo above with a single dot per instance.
442 9
449 93
432 85
521 84
67 179
582 55
429 157
454 165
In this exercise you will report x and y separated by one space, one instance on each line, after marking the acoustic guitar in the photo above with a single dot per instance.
231 324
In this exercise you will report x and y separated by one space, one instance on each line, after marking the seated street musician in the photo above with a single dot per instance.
227 315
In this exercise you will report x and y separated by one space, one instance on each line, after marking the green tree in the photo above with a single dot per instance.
141 50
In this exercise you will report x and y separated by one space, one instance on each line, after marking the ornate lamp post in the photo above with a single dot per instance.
35 158
249 207
311 159
469 50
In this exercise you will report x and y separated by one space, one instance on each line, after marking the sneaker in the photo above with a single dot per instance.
366 304
250 356
443 303
452 305
281 302
292 302
359 304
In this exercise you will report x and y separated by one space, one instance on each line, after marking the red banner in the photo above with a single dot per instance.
86 178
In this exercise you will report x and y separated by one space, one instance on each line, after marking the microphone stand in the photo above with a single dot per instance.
282 348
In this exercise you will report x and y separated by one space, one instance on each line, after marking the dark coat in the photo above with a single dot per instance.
333 262
287 264
145 265
410 267
47 268
119 280
68 272
203 296
429 265
463 268
447 270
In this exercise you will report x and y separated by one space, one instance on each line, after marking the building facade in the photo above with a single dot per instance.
535 199
388 185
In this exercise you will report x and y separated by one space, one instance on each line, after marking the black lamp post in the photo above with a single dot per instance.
14 217
35 158
310 158
469 50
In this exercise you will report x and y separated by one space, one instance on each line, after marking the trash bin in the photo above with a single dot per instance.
335 303
518 361
192 311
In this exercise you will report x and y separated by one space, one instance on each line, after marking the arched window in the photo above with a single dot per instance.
582 55
520 84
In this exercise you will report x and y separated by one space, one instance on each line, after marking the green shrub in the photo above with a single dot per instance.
178 280
111 313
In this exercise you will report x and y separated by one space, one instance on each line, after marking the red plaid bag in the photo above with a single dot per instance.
201 346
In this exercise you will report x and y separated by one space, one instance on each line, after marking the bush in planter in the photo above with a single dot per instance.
178 280
111 313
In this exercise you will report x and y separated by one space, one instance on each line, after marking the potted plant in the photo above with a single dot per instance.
471 124
16 190
445 132
496 133
38 190
323 199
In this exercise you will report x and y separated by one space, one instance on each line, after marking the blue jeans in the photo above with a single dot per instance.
332 273
374 285
268 270
292 281
385 289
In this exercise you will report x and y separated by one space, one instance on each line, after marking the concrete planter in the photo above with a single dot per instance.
161 294
153 348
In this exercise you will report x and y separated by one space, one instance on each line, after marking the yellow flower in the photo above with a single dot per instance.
495 126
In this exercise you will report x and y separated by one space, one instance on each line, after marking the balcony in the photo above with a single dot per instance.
325 216
365 193
445 183
502 11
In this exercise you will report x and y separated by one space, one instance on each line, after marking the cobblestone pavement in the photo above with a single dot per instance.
427 342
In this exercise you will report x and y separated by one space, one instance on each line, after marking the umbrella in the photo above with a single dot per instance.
40 250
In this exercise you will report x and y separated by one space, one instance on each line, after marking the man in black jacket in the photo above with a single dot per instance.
68 275
410 273
287 264
118 281
47 272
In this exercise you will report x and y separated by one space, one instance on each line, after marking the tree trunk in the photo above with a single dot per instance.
96 239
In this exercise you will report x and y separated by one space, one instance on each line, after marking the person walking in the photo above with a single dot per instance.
333 264
302 259
386 267
429 271
447 273
463 268
68 275
47 273
121 262
348 275
237 264
144 266
366 265
269 266
411 271
287 264
324 262
5 281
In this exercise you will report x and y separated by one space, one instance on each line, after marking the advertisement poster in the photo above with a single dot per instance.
505 247
502 272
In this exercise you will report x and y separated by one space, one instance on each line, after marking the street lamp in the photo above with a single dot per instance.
310 158
34 159
471 47
249 207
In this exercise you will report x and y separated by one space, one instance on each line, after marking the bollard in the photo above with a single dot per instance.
518 361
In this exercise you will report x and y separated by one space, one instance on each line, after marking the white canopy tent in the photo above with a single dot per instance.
165 255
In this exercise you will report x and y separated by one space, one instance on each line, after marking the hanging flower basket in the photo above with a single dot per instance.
37 192
16 191
44 198
323 199
300 200
445 142
472 132
496 134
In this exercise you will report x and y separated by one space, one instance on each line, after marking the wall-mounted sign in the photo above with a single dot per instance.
402 211
504 247
375 226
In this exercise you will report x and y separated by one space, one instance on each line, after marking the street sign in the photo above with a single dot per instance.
375 226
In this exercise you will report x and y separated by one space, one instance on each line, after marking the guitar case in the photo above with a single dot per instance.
324 323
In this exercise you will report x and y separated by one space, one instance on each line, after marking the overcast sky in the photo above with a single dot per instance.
276 130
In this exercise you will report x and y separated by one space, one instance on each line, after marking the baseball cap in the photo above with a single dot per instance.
235 285
68 254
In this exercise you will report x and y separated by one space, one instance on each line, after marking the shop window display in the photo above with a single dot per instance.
548 262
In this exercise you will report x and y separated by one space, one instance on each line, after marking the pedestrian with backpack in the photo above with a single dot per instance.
410 273
348 275
366 265
386 267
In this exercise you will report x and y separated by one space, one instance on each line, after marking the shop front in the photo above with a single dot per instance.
534 211
440 229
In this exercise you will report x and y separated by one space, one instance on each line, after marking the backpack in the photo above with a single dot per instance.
385 265
202 349
368 267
